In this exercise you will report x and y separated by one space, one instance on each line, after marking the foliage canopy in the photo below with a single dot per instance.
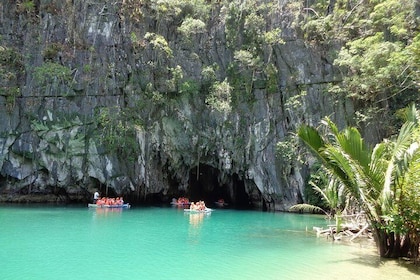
379 57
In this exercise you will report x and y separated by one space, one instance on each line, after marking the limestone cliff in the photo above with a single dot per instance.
155 99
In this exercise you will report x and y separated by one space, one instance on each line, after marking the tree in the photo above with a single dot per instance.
375 178
334 199
379 57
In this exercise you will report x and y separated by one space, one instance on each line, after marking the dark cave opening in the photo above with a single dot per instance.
103 190
242 199
204 185
4 180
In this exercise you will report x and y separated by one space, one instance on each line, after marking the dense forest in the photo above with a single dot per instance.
379 55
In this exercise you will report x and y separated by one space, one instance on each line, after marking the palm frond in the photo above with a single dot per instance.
307 208
352 143
372 177
312 138
340 165
411 114
398 161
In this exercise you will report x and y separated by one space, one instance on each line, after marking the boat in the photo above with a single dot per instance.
125 205
220 203
193 211
180 203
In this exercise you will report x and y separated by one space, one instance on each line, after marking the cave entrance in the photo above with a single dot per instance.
104 190
241 199
204 185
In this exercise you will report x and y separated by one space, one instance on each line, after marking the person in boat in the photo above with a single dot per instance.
198 206
100 201
202 206
96 196
182 201
119 201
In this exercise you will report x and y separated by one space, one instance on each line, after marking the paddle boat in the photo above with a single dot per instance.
125 205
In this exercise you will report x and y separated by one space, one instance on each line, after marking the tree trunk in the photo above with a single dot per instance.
392 245
415 247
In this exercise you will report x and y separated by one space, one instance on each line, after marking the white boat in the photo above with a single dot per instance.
125 205
193 211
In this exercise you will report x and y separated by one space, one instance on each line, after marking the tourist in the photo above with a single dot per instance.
198 206
100 201
119 201
96 196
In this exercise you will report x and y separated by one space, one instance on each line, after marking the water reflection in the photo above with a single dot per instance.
196 219
195 225
108 211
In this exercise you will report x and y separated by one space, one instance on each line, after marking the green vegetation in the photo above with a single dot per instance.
177 75
11 68
380 55
380 61
51 73
219 98
189 87
318 177
287 153
379 180
191 26
26 6
158 43
117 130
251 35
51 51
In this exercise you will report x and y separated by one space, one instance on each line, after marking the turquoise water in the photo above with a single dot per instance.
166 243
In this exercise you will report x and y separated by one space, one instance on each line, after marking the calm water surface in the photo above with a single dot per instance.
166 243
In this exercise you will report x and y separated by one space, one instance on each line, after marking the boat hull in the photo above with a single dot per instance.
192 211
175 204
126 205
220 204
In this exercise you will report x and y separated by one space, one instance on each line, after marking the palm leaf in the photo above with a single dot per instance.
312 138
371 176
307 208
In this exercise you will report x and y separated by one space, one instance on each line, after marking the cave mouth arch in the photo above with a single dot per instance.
204 185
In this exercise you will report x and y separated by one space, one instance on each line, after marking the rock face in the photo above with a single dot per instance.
156 99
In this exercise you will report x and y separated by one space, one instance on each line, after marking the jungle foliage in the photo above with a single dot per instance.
380 53
382 180
11 68
118 129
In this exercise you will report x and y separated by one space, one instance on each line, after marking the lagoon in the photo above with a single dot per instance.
74 242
